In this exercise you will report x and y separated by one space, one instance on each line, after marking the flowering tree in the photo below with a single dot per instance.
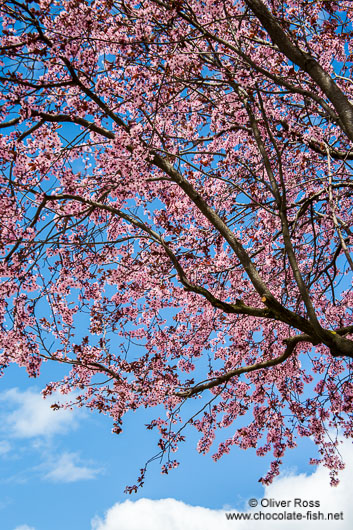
176 202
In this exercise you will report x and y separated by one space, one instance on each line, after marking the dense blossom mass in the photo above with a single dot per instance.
175 214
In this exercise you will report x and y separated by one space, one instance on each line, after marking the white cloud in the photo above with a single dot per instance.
32 415
24 527
69 468
160 514
24 415
176 515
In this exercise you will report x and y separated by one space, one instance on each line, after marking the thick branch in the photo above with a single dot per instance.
291 343
239 308
307 63
65 118
284 221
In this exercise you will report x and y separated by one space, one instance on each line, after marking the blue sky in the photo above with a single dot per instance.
65 469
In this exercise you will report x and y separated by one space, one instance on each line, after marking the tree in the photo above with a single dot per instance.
176 196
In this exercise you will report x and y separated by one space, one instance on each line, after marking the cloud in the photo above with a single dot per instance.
26 415
69 468
32 415
24 527
175 515
157 515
